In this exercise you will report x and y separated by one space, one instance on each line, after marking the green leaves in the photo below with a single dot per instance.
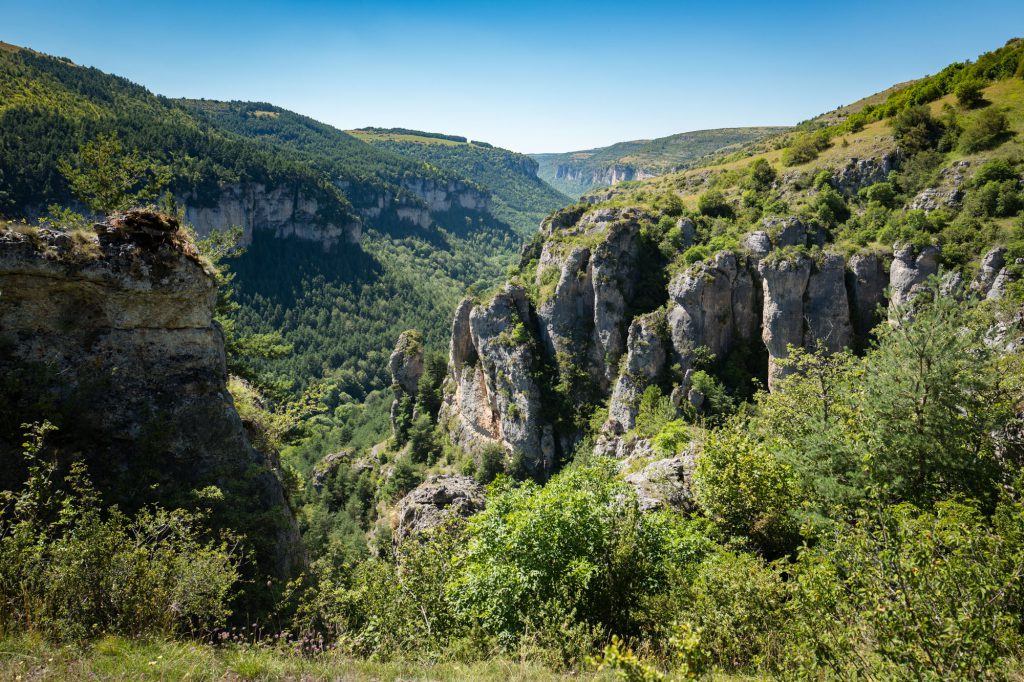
108 178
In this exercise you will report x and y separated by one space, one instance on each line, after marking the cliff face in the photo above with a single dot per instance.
286 211
279 211
602 177
783 289
113 339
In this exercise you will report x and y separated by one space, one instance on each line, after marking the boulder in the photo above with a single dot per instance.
907 274
665 483
433 502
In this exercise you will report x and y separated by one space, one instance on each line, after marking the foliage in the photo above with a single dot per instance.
109 179
913 594
713 203
987 129
72 570
579 541
745 489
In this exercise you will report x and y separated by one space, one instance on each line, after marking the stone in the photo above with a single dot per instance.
907 275
121 343
645 362
434 502
866 281
665 483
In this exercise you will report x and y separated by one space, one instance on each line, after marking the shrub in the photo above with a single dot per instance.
492 463
760 175
969 92
737 603
580 542
73 570
912 595
915 129
745 489
987 130
713 203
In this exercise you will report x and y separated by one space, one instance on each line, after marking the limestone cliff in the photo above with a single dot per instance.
580 323
283 211
112 338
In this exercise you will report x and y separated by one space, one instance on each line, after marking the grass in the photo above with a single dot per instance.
27 657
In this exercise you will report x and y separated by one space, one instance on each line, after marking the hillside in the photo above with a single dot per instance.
522 199
303 192
754 412
574 173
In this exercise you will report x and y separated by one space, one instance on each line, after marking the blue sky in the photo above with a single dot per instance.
531 76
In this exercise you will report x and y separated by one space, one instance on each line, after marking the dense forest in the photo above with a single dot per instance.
523 199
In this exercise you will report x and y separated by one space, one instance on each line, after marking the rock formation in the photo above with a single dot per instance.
406 366
280 212
907 274
645 362
665 483
434 501
112 339
493 396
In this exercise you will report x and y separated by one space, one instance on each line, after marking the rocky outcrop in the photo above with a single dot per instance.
866 280
992 264
665 483
283 211
804 304
417 200
907 275
859 173
434 502
406 366
492 396
605 176
713 304
585 319
645 362
113 340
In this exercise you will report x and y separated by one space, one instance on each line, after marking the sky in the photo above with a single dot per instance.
530 76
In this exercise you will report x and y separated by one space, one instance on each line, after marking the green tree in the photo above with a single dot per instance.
108 178
935 397
987 130
713 203
969 93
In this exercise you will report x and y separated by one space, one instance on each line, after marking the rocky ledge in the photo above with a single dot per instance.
111 337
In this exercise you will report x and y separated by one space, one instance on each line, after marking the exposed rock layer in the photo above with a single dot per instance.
117 339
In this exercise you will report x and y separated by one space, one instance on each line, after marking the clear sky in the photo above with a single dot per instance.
530 76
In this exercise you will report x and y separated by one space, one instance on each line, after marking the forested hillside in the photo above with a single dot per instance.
522 199
430 230
574 173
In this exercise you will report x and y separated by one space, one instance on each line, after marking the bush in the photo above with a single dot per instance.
915 129
713 203
72 570
988 129
912 595
492 463
969 93
745 489
579 543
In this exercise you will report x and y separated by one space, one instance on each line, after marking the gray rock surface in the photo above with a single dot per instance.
123 331
907 274
665 483
645 362
866 281
406 366
433 502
